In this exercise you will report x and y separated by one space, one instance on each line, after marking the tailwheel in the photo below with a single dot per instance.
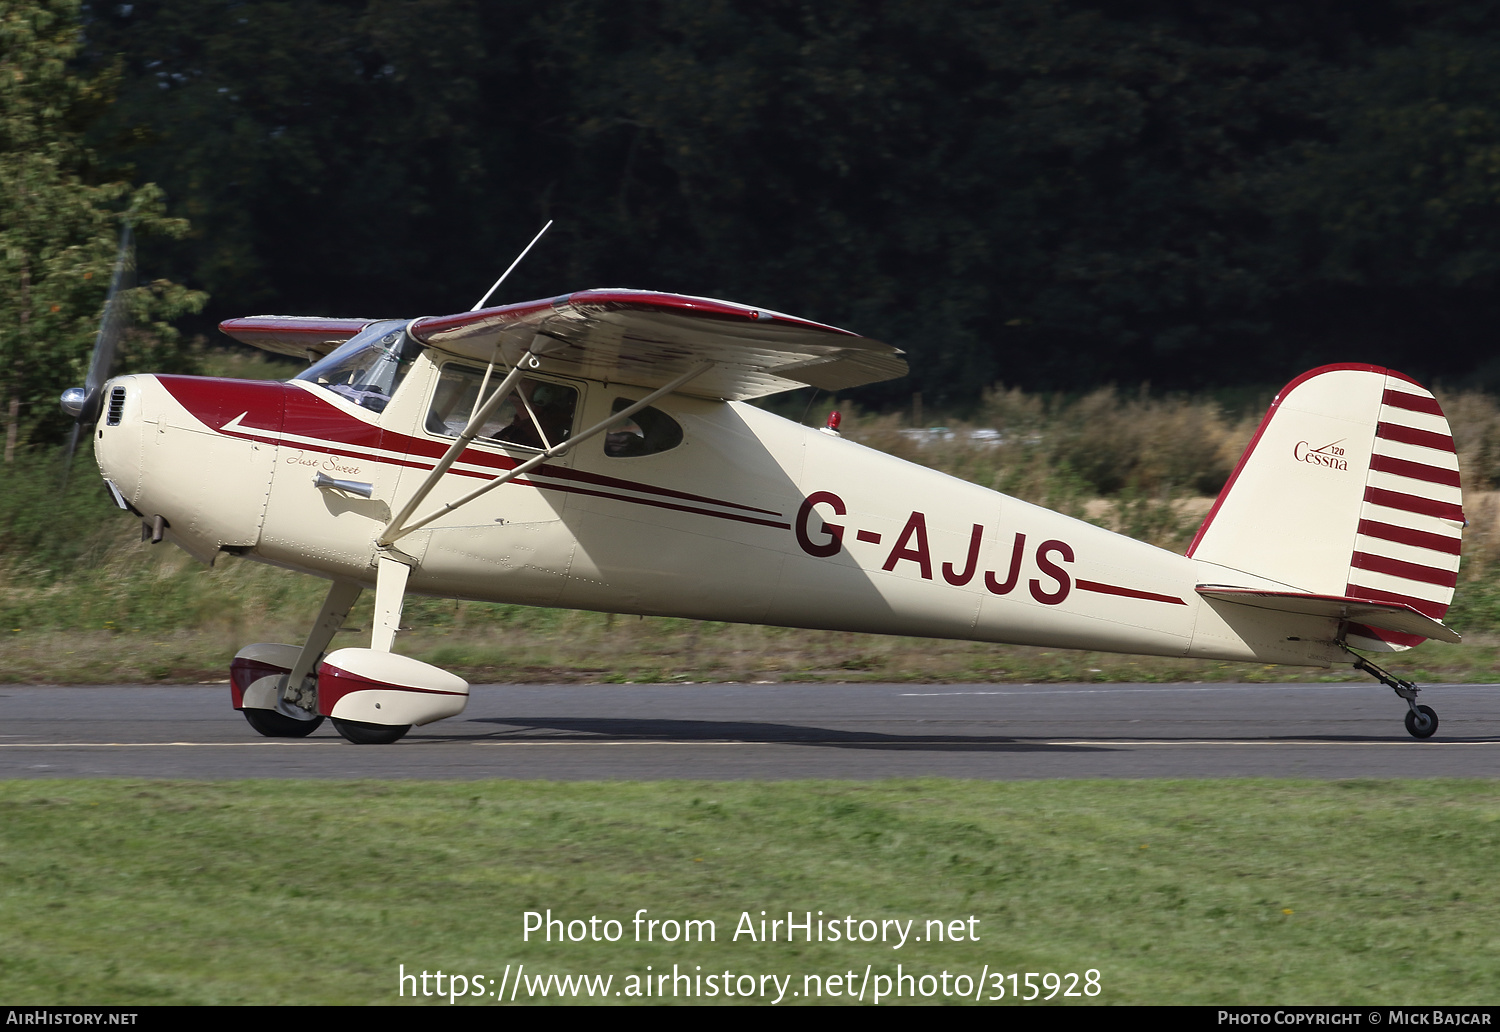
1422 722
278 725
361 733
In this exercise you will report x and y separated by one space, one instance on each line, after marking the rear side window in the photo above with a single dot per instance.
647 432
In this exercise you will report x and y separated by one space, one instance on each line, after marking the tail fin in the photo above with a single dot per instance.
1350 489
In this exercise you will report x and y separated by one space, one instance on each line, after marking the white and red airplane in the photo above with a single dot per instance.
595 451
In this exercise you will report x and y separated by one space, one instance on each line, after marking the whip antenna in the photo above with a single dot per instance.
480 304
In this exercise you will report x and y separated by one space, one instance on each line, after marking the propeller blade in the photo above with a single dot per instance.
112 326
71 451
111 329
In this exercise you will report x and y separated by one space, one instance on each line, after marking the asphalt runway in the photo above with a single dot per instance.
739 731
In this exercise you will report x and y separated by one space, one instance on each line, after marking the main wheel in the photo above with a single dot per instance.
1422 723
278 725
360 733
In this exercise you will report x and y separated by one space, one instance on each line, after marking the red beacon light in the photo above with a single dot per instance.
834 419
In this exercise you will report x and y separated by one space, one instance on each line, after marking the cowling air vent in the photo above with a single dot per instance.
116 406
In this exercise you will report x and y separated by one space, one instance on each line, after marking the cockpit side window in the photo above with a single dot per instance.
367 368
647 432
537 414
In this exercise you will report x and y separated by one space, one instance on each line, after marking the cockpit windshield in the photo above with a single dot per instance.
367 368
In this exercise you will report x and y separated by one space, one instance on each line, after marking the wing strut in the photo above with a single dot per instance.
399 528
476 421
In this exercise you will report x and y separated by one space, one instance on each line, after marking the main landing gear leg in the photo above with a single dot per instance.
1421 721
390 594
301 687
374 696
275 685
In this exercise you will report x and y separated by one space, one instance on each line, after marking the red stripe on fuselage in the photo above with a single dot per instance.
312 420
1114 589
297 411
216 401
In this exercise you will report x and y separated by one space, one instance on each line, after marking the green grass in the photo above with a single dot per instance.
141 614
1229 892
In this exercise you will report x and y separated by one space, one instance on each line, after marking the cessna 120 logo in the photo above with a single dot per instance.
1330 455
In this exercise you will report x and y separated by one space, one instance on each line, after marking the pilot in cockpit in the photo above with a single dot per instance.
539 403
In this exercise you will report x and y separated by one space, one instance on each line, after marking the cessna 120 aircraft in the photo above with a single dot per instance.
595 451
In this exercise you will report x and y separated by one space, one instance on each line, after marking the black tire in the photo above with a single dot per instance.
1423 726
278 725
361 733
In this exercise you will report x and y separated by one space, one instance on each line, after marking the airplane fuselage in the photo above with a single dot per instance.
748 517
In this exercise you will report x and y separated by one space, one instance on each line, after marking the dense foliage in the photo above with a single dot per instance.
61 224
1052 193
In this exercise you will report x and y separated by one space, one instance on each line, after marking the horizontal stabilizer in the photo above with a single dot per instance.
1390 616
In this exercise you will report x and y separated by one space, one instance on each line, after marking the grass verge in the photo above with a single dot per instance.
143 614
1230 892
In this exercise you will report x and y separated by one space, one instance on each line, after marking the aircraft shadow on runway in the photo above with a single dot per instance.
607 729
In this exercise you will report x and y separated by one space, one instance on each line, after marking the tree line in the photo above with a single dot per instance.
1054 194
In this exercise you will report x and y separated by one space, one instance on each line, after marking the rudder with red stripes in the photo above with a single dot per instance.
1350 487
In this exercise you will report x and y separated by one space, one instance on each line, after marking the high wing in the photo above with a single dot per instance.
645 339
639 338
299 336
